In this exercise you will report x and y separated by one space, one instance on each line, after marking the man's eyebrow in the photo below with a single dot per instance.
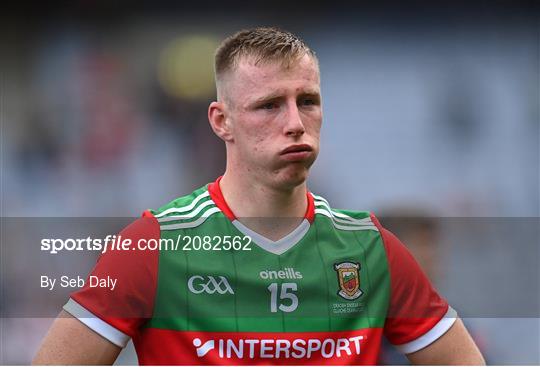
267 97
279 94
311 93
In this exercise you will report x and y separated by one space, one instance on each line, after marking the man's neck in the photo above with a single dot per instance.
268 211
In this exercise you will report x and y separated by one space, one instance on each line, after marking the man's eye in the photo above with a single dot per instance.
268 106
308 102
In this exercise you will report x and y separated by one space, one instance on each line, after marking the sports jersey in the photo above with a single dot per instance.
325 293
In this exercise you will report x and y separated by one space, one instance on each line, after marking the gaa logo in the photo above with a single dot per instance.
198 284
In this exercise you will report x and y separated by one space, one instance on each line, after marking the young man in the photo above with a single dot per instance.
266 272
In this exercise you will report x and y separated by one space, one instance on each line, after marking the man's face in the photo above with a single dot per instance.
275 116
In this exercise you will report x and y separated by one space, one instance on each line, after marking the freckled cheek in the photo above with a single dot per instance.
314 127
260 144
313 120
260 132
256 141
253 132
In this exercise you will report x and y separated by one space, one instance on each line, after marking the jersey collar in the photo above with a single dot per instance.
217 197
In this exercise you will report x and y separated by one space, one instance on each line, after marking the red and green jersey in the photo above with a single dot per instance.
218 293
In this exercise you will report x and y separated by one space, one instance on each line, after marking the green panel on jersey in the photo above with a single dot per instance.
243 301
365 248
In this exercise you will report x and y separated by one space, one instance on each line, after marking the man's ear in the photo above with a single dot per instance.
217 115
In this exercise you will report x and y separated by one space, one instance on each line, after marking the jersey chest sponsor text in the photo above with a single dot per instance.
280 348
344 347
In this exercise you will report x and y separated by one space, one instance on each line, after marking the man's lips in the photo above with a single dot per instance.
297 148
298 152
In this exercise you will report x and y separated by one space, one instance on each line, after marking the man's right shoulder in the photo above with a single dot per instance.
181 204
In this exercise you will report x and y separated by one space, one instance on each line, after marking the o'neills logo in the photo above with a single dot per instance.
279 348
286 273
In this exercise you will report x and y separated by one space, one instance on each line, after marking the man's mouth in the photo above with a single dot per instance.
297 148
297 152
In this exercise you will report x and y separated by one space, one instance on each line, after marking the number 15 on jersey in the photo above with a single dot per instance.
286 293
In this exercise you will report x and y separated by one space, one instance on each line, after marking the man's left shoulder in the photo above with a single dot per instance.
343 216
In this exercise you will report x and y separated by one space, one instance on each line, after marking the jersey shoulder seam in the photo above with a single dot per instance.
188 211
345 220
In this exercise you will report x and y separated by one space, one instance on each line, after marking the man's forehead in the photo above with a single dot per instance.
250 81
249 68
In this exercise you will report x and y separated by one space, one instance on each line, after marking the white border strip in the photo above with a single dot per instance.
324 203
195 223
107 331
172 218
350 226
435 333
184 208
362 222
275 247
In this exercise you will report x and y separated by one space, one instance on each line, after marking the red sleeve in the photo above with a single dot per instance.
416 310
131 301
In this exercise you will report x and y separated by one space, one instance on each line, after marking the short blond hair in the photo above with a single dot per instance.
262 45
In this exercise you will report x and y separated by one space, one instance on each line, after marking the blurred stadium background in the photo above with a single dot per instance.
431 109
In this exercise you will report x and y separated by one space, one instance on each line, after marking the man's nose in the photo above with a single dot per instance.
294 125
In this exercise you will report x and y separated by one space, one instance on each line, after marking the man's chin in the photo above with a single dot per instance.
291 177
